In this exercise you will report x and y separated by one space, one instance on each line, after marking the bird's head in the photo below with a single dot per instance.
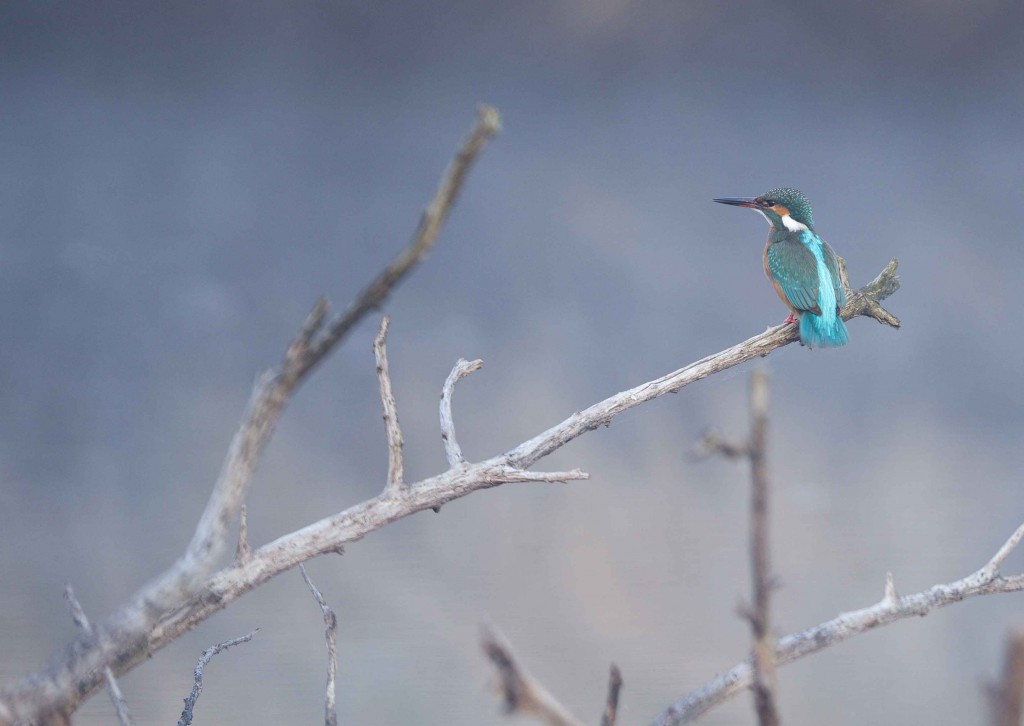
784 208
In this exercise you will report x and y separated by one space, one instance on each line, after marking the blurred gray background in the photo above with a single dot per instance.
179 181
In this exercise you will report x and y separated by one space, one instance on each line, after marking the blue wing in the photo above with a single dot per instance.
832 262
793 267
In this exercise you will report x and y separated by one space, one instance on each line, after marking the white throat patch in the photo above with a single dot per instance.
792 225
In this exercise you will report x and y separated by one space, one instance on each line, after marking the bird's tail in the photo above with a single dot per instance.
816 332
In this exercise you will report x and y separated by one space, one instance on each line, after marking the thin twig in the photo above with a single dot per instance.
1006 696
82 621
522 694
452 449
392 429
331 636
204 660
611 708
890 609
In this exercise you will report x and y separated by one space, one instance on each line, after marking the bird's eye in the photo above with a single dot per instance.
768 202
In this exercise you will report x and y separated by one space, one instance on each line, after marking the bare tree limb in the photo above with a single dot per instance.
392 430
82 621
204 660
124 637
331 636
70 678
611 709
985 581
1006 697
523 695
452 450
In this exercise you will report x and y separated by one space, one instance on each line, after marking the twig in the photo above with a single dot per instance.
204 660
123 638
331 635
611 709
243 552
890 609
82 621
522 694
452 450
391 427
1006 697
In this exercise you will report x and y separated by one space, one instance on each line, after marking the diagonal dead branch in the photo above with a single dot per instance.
82 621
891 608
392 429
72 679
452 450
523 695
488 124
204 660
123 637
331 636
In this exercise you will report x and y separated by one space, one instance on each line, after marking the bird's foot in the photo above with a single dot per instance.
792 320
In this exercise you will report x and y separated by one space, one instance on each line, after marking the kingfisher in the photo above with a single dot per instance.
801 265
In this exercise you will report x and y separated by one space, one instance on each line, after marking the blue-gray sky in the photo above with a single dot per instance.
178 182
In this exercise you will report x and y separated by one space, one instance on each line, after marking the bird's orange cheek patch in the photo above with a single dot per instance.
780 210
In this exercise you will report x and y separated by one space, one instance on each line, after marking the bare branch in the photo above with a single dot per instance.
391 428
130 636
522 693
123 637
611 709
756 450
243 552
80 619
204 660
764 645
1006 697
890 609
331 635
452 450
488 124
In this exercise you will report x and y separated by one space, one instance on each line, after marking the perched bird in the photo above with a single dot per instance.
802 266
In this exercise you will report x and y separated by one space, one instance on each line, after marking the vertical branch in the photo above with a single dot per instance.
764 645
331 635
80 619
611 709
396 478
1007 696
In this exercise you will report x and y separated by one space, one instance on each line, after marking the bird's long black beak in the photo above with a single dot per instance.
741 202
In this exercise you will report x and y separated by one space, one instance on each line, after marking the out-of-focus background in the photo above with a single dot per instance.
178 182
